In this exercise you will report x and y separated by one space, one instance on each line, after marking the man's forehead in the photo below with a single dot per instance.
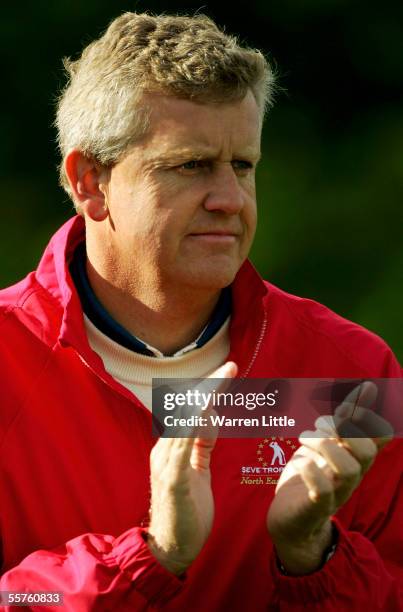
185 127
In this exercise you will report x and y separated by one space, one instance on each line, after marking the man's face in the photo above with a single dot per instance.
182 202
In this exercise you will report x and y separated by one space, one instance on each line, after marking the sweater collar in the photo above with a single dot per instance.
101 318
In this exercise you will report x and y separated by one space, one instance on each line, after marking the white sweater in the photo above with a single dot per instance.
136 371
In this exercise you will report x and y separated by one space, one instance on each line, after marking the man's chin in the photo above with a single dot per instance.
211 279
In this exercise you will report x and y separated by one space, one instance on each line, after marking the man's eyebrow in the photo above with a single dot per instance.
203 154
187 153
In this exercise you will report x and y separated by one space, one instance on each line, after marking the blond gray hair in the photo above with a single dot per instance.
99 111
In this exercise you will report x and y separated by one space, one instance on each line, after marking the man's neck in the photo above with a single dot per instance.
165 321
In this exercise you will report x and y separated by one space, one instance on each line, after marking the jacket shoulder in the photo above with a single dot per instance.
28 331
316 325
28 304
14 296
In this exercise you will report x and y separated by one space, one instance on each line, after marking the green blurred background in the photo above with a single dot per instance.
330 185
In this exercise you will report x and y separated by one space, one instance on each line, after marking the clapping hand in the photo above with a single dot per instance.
321 476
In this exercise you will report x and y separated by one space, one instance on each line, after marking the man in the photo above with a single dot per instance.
159 130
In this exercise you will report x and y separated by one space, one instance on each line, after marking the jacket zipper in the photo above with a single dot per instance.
257 347
133 399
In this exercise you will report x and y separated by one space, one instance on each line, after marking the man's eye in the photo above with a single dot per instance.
239 164
190 165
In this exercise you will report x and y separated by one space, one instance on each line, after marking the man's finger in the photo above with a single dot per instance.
343 464
160 452
201 451
354 419
326 424
226 373
363 449
365 424
179 457
363 395
227 370
319 486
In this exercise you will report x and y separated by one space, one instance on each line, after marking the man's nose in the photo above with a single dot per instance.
225 192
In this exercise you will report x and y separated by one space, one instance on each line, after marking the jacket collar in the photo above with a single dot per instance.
249 294
53 274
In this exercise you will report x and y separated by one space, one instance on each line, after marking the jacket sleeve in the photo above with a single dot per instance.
96 572
355 578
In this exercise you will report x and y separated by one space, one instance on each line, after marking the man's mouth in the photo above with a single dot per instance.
217 236
216 232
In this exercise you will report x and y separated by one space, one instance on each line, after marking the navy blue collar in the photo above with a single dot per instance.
101 318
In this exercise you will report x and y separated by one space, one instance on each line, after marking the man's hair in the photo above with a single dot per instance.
100 110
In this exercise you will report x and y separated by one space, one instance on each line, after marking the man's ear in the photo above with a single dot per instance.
87 182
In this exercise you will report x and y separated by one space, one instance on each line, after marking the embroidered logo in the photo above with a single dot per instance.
272 455
278 453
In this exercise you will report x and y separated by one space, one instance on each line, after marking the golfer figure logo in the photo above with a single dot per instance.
278 454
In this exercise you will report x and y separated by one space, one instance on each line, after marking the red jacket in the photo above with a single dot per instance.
74 452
